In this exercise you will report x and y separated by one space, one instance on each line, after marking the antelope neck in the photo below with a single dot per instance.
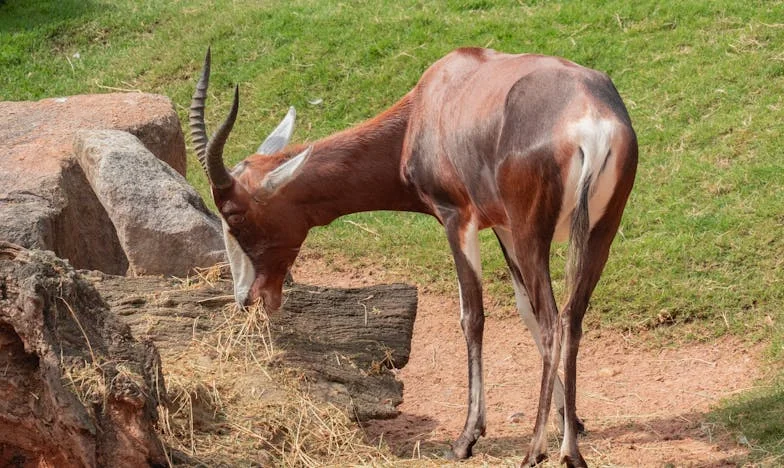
357 170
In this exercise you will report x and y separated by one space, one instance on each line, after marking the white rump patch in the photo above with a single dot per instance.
242 271
594 137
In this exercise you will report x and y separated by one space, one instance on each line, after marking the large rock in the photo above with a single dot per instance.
162 223
76 388
45 200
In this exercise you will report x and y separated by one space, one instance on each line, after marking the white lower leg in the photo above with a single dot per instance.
526 313
471 321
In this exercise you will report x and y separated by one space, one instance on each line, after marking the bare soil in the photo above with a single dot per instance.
642 405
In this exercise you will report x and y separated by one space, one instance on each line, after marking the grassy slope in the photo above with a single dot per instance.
703 237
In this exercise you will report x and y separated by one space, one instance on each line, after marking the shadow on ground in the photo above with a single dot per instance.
757 420
611 442
405 435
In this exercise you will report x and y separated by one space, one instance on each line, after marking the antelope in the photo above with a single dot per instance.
537 148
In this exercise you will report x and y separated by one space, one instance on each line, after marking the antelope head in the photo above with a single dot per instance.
262 229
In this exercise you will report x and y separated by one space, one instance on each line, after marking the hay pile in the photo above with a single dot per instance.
234 398
232 405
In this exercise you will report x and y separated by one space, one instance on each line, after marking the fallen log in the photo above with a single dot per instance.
349 340
346 342
76 388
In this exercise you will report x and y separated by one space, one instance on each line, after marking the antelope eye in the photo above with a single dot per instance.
235 219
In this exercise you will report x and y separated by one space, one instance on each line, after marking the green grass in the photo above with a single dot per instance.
701 248
756 417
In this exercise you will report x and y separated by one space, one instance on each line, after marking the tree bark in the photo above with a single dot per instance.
76 388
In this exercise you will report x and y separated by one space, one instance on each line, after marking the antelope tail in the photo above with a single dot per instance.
580 228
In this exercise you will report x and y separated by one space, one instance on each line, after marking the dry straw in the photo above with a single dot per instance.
233 404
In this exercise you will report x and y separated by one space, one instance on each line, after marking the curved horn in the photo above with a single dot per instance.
210 152
196 114
219 176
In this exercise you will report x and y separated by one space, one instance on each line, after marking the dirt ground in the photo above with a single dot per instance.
641 407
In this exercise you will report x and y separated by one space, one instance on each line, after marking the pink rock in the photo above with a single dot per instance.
45 200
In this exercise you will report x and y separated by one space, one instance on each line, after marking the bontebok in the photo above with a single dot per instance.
536 148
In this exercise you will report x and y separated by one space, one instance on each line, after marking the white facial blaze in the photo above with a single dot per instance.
242 271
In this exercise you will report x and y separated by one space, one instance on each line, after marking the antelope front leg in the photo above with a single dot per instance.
464 241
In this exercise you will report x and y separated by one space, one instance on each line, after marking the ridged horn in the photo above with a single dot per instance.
219 176
196 114
210 152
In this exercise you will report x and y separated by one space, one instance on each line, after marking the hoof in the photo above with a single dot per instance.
533 461
457 454
461 448
574 462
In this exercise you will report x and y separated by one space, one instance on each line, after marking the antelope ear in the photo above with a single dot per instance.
286 172
279 137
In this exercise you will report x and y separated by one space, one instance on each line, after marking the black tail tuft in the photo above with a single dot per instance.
578 237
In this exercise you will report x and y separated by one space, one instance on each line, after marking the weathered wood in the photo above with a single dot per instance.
346 341
76 388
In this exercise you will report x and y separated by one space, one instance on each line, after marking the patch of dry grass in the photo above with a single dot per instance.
232 405
86 381
208 276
